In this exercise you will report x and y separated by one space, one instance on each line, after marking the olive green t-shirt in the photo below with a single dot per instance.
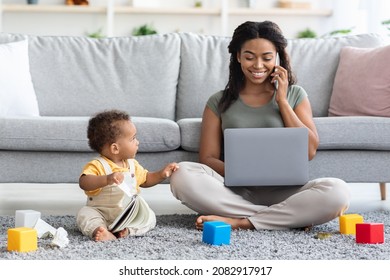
240 115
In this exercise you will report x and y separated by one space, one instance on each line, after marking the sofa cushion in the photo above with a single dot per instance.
157 135
353 133
315 61
190 133
362 83
79 76
70 134
17 93
336 133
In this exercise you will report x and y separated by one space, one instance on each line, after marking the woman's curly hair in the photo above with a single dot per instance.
104 128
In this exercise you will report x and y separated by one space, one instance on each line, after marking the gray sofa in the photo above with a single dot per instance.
163 81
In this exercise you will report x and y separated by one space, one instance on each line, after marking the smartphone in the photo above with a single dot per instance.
277 63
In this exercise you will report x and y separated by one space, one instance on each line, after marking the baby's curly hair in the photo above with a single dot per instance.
104 129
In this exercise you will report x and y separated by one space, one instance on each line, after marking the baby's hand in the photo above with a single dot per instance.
115 178
169 169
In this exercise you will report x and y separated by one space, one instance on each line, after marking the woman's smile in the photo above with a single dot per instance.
258 74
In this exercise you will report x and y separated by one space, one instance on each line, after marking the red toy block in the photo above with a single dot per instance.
372 233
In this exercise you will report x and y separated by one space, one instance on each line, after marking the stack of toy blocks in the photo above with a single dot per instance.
23 238
216 233
372 233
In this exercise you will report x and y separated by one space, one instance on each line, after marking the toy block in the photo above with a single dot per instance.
26 218
216 233
44 229
372 233
348 223
22 239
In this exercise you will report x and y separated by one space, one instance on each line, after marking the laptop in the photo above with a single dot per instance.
266 156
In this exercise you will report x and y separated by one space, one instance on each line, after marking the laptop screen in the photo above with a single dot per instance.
266 156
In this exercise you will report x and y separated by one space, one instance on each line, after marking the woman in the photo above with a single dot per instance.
252 99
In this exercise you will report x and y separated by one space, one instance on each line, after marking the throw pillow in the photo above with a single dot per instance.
17 95
362 83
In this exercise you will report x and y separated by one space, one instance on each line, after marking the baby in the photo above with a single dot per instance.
110 180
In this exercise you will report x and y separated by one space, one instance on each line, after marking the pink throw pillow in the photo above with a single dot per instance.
362 83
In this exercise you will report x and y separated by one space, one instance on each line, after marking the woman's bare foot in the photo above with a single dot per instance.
236 223
123 233
102 234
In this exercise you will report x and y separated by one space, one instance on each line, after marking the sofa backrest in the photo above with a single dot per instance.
164 76
78 76
315 62
203 71
205 65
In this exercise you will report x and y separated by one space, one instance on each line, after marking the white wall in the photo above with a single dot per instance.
346 14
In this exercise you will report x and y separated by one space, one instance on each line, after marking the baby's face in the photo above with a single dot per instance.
127 142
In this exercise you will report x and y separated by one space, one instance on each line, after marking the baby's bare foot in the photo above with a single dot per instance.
123 233
102 234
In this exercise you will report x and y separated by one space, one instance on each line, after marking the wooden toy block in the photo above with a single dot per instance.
372 233
22 239
26 218
348 223
216 233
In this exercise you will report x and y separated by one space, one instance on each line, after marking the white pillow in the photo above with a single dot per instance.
17 95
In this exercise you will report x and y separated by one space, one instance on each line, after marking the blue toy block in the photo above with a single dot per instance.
216 233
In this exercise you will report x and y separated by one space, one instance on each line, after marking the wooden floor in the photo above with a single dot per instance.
66 199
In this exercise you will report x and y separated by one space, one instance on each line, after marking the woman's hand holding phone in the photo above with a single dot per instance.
280 80
277 63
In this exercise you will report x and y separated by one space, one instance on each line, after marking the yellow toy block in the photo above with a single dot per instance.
348 223
22 239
